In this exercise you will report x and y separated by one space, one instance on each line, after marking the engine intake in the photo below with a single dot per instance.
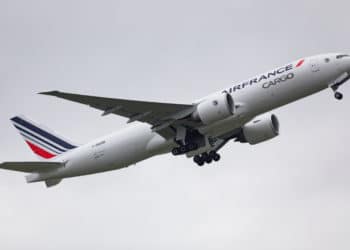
261 129
215 108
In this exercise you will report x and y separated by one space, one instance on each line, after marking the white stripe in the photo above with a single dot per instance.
36 143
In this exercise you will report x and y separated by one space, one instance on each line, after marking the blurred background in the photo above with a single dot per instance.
288 193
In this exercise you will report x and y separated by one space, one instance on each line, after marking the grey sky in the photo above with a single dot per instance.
289 193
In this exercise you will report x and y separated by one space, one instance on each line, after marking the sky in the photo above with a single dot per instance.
289 193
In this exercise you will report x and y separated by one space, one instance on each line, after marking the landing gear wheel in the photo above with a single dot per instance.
205 157
175 151
197 159
200 163
338 95
216 157
183 149
209 160
212 154
192 146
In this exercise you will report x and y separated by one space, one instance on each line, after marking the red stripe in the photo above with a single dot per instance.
39 151
300 63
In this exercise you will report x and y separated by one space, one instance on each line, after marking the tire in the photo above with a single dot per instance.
209 160
216 157
205 156
212 154
175 151
338 95
200 163
197 159
183 149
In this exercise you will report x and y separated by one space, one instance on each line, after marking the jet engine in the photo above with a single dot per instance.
215 108
260 129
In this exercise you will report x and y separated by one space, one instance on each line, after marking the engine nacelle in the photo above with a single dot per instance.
261 129
215 108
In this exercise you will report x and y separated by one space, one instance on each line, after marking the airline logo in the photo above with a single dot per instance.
300 63
276 73
43 143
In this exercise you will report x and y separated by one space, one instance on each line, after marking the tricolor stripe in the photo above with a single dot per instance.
48 144
43 133
42 142
43 146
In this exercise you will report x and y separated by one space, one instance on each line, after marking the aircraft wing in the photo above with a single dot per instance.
159 115
30 166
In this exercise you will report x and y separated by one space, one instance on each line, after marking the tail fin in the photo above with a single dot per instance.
41 141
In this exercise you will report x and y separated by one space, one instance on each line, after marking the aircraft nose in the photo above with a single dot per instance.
344 63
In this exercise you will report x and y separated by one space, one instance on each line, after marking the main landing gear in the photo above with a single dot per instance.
183 149
206 158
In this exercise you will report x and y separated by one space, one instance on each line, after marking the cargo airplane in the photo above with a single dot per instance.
198 130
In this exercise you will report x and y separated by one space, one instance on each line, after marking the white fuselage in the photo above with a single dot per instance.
252 97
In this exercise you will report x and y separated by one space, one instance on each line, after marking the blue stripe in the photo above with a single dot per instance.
36 137
43 146
43 133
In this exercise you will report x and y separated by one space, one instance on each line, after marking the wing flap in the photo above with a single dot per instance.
30 166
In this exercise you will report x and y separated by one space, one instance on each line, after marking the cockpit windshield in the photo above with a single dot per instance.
342 56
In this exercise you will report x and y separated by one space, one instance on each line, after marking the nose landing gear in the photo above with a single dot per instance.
340 81
338 95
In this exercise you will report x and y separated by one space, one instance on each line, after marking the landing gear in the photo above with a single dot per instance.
216 157
340 81
206 158
175 151
183 149
338 95
199 160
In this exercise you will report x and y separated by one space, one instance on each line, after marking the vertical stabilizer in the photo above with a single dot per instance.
44 143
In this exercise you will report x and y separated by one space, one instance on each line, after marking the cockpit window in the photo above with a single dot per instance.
342 56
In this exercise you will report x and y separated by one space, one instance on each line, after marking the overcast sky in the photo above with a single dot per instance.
289 193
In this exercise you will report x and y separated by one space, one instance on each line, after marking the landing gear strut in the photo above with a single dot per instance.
206 158
343 78
187 140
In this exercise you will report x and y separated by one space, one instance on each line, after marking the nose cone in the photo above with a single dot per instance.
344 63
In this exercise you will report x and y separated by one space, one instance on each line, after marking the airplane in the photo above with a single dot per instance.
198 130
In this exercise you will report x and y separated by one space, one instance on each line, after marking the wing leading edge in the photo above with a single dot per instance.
159 115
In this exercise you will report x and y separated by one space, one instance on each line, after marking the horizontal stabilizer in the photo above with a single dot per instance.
31 166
